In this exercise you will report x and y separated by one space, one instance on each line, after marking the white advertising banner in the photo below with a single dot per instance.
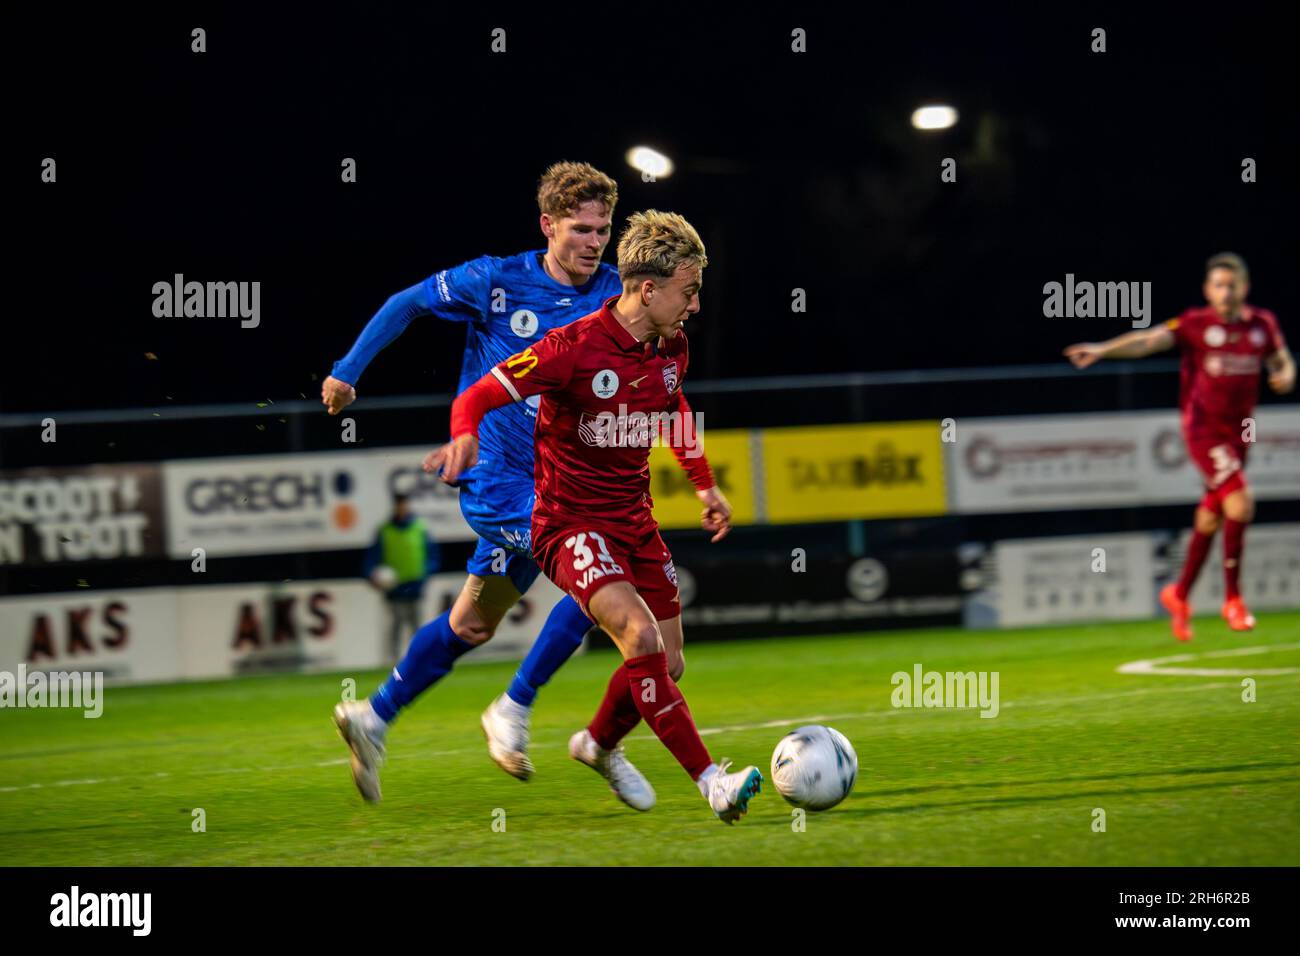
129 635
150 635
1076 578
1069 462
317 501
231 630
268 504
392 471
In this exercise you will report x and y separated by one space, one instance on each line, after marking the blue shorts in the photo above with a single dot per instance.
500 510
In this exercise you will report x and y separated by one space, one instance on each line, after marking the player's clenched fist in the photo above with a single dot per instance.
453 458
1282 380
717 512
1083 354
336 395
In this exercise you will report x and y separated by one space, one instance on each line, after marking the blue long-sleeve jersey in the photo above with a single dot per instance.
507 304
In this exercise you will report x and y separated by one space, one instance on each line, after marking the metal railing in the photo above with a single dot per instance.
271 427
781 383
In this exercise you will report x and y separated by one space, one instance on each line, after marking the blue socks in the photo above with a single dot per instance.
433 650
561 636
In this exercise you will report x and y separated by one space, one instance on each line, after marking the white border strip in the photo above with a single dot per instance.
507 383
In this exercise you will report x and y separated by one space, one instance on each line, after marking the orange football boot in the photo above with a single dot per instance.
1179 611
1235 613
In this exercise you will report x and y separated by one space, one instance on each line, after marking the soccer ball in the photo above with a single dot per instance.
814 767
384 577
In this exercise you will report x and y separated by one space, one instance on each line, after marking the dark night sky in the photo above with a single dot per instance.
799 170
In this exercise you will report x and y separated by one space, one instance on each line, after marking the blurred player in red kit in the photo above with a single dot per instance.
1224 345
610 383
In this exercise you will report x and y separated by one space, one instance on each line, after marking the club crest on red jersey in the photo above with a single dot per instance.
670 377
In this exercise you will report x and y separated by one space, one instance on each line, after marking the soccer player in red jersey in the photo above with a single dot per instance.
1224 346
610 383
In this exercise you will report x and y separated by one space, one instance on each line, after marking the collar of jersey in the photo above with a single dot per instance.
1247 313
621 336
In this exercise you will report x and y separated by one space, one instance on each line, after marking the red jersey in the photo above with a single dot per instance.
1221 366
605 396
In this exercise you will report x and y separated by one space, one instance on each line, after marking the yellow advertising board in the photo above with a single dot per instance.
838 472
674 496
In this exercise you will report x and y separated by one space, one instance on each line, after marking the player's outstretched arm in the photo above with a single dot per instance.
338 391
1130 345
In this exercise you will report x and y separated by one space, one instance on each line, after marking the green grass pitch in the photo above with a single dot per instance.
1185 770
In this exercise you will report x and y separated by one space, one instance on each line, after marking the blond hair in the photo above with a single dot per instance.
655 243
566 186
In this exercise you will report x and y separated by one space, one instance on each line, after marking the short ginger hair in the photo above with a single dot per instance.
565 186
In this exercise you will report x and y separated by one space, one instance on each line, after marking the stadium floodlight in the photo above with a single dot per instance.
649 161
935 116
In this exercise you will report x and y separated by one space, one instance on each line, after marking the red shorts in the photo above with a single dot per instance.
1220 462
583 557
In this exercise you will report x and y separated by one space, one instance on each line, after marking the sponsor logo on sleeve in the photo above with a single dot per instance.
521 363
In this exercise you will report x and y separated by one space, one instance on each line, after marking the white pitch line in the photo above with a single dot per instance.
1155 665
705 732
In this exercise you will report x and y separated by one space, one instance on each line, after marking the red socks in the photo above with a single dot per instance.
617 714
1234 533
1197 549
657 698
641 688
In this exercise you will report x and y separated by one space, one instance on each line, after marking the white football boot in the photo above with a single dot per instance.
627 782
505 725
364 732
729 793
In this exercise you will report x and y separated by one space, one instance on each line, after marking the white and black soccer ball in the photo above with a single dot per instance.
814 767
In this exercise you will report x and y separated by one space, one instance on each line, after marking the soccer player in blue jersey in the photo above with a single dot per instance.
506 304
